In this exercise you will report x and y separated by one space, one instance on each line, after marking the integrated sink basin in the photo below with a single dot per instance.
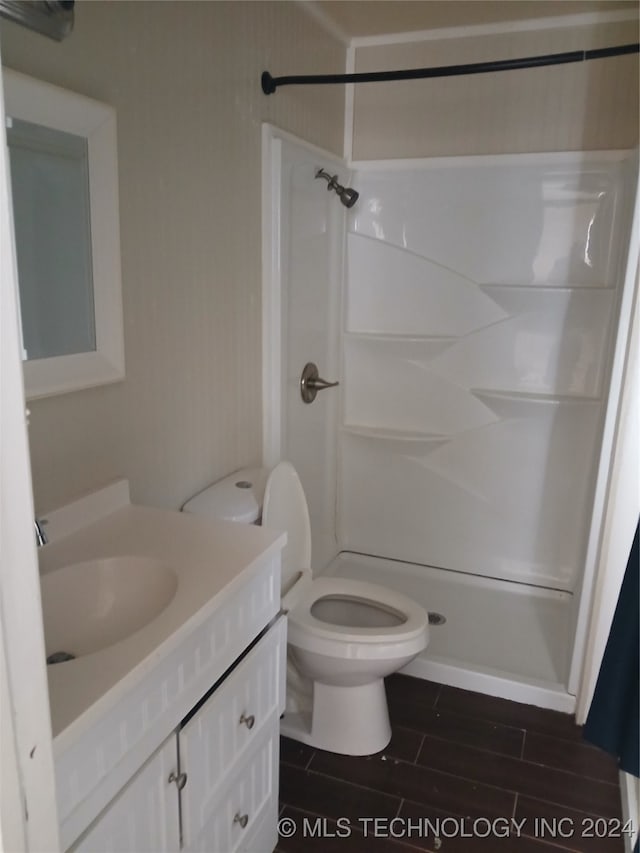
92 605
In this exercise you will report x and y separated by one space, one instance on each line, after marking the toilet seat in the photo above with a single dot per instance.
307 631
285 508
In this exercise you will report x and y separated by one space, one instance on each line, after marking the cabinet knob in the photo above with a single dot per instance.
248 721
242 819
179 778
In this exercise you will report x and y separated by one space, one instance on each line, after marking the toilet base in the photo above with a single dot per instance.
346 720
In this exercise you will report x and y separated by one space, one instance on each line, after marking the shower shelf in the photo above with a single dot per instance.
427 346
526 397
553 288
400 337
400 435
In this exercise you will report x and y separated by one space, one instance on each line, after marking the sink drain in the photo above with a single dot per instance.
437 619
60 657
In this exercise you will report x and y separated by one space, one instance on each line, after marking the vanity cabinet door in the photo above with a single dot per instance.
144 817
229 750
243 817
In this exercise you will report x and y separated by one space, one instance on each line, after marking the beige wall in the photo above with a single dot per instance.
585 106
184 79
373 17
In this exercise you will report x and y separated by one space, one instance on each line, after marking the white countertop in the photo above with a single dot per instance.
211 560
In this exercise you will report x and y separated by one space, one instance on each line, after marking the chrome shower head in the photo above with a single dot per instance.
347 195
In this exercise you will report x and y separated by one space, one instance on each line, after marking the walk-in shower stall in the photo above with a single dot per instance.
469 308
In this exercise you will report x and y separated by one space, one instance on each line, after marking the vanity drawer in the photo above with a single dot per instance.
244 813
217 740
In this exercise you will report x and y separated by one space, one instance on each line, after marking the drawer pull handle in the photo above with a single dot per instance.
179 778
242 819
249 721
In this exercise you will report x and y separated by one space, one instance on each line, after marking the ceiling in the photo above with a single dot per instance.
377 17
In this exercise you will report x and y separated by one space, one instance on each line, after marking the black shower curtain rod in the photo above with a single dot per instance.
270 84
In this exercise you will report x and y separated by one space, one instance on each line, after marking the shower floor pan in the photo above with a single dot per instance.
500 638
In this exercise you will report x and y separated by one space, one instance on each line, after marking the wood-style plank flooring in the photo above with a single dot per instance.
461 764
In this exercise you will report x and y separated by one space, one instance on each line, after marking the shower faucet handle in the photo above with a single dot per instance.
311 383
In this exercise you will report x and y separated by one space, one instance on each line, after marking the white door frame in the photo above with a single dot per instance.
28 816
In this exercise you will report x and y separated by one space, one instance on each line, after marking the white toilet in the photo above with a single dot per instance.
344 636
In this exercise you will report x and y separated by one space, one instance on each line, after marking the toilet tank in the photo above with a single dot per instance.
237 497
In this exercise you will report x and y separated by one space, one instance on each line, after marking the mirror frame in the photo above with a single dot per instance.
42 103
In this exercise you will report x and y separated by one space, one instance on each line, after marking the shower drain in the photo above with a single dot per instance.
60 657
436 618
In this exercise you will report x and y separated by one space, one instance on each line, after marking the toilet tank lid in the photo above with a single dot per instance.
237 497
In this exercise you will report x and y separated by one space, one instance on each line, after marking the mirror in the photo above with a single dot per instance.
65 203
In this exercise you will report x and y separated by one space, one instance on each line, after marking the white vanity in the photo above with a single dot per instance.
168 738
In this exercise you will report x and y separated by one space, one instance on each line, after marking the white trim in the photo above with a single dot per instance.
621 510
630 796
26 729
473 160
271 309
276 133
620 383
621 518
12 828
318 14
349 105
41 103
587 19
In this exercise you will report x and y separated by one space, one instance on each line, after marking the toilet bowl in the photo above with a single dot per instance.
344 636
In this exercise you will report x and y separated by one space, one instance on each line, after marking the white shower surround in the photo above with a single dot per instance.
480 297
510 296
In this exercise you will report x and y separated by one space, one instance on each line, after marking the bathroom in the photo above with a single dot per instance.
184 79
